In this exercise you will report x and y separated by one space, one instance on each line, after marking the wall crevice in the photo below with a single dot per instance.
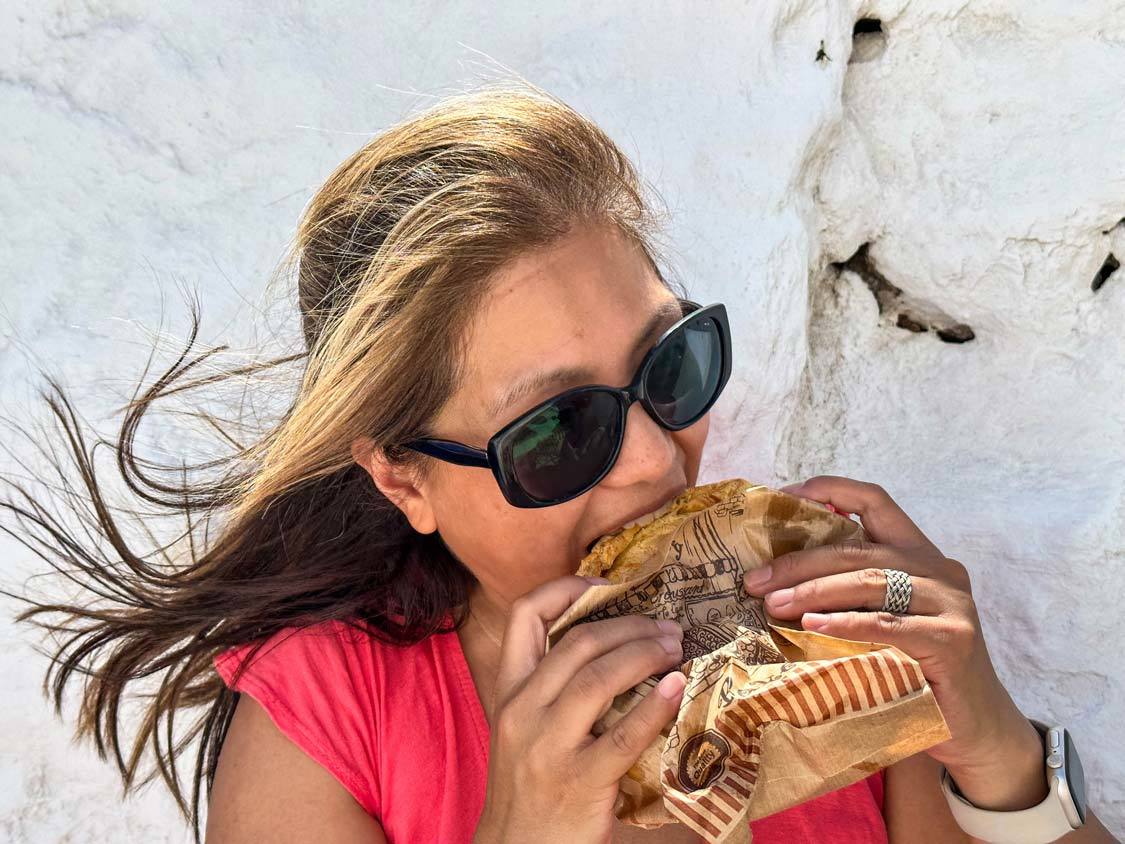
868 40
903 310
1109 266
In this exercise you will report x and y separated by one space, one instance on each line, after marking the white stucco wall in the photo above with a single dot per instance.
976 147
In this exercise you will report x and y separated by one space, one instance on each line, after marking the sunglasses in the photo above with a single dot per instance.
564 446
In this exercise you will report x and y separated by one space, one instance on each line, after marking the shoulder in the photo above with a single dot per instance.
320 686
332 663
339 639
301 669
352 702
329 646
266 789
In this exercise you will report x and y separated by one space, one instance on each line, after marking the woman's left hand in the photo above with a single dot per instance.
839 590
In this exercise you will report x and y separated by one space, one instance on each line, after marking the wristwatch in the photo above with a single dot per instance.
1063 810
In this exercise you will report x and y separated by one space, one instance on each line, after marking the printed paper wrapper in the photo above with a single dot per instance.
772 715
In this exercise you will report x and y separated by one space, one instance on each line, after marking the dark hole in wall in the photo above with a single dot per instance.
868 41
861 264
908 322
1108 268
959 333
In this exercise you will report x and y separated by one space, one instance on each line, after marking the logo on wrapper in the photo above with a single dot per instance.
701 759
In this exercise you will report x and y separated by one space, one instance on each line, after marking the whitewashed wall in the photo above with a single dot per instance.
978 148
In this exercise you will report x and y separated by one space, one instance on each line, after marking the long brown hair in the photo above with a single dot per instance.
391 258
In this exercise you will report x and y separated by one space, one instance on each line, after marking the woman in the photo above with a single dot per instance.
381 603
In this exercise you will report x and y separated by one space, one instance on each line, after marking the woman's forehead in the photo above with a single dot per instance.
575 311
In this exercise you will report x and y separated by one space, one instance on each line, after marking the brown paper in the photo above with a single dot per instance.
772 715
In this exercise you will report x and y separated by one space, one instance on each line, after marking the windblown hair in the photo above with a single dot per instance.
392 257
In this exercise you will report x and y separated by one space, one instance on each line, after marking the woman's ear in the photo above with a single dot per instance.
397 484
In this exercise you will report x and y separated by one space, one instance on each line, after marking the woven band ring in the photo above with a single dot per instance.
899 589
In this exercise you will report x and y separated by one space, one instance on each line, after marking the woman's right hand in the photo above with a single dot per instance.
549 778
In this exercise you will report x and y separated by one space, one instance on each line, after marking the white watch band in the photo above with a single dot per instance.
1040 824
1037 825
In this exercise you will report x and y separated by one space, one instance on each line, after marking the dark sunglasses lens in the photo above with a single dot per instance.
684 376
563 448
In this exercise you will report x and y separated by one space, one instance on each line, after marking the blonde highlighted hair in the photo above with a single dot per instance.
392 257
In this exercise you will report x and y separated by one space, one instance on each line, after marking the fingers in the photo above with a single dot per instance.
824 560
525 638
883 520
861 589
594 686
585 643
615 751
922 637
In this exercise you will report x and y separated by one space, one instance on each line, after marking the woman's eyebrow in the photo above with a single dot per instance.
537 381
668 314
662 319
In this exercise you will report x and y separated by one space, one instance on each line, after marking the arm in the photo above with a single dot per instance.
913 805
1017 780
267 789
915 809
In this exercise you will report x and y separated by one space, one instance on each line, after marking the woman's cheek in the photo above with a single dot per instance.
691 442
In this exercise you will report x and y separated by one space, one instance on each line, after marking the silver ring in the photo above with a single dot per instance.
897 599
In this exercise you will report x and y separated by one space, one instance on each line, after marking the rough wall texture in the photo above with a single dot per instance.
954 167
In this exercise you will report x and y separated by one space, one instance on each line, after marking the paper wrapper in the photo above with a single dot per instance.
772 715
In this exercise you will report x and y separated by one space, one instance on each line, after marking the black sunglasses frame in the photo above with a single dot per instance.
495 456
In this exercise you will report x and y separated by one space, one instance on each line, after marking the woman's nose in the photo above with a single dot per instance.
647 451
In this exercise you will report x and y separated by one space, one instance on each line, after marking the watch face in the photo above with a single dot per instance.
1075 777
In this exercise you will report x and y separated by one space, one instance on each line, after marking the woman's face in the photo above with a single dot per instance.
582 304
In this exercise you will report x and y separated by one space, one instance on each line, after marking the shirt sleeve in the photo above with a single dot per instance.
310 682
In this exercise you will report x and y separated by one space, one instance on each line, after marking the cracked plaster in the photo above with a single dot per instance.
974 146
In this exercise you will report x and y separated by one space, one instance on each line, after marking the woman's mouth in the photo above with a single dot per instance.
643 515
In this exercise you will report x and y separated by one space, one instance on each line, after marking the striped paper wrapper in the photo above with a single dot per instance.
772 715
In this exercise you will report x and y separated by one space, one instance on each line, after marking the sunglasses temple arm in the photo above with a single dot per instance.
451 452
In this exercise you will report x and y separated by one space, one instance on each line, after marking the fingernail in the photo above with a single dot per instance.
814 620
780 598
670 627
671 644
671 685
759 576
597 581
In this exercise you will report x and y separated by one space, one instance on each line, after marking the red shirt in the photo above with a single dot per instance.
402 729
